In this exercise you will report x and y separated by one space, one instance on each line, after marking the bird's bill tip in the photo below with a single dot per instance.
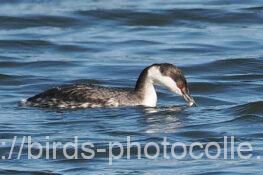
190 100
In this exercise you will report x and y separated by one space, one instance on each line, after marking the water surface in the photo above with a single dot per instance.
217 44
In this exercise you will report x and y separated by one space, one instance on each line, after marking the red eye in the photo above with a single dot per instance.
180 85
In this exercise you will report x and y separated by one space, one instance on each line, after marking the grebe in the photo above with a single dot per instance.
91 96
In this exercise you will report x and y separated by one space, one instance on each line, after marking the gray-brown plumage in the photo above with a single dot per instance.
90 96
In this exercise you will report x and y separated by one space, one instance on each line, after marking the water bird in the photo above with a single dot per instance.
92 96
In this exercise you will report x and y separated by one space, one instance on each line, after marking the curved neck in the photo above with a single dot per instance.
145 89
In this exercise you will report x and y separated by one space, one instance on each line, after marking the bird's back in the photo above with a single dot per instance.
82 96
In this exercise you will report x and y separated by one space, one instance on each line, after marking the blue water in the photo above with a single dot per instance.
217 44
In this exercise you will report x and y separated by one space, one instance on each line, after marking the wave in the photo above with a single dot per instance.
226 66
206 101
8 77
21 22
41 44
245 118
199 134
17 172
248 108
8 80
196 48
240 120
172 16
240 77
35 64
137 42
222 172
208 87
253 9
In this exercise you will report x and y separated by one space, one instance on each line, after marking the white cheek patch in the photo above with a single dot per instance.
170 84
167 82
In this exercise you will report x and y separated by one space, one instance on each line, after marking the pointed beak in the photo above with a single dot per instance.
189 99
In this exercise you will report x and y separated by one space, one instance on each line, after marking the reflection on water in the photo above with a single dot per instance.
166 116
217 44
164 109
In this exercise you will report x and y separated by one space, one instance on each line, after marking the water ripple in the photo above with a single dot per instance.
39 44
174 16
15 22
248 108
217 44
